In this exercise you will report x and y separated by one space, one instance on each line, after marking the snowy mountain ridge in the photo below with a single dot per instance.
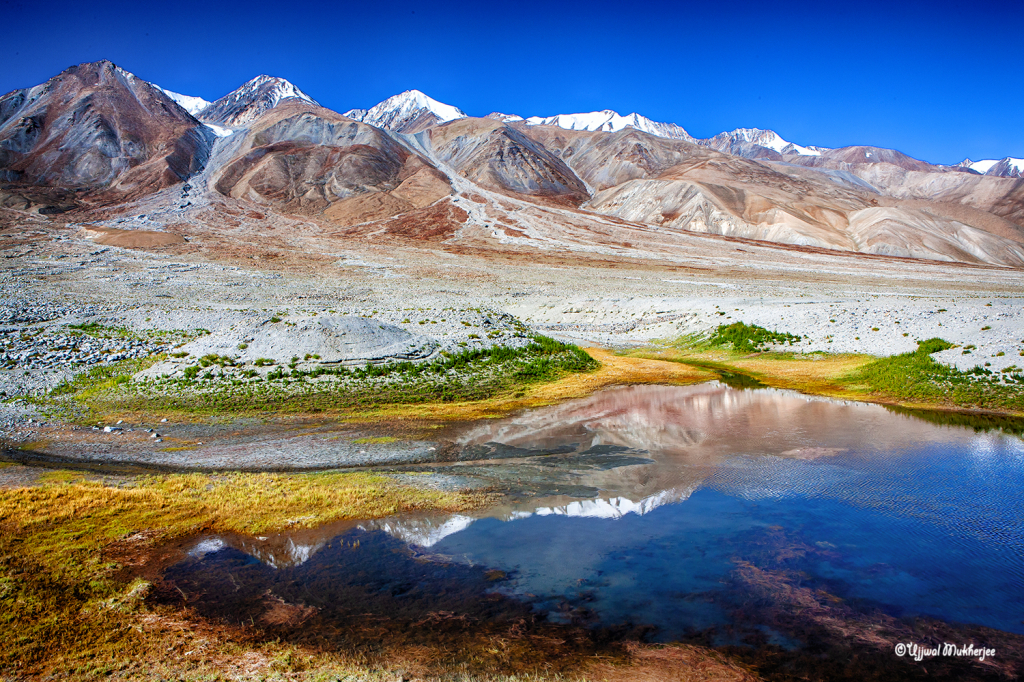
610 121
1007 167
769 139
413 110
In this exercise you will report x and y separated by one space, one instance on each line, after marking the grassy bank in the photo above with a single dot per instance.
913 379
68 548
470 386
216 387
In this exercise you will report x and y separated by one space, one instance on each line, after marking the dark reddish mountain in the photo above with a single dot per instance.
95 129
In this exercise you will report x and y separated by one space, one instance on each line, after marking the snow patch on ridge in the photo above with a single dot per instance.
219 131
982 166
1008 167
192 105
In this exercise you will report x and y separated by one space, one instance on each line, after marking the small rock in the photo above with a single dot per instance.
154 435
159 440
120 421
163 420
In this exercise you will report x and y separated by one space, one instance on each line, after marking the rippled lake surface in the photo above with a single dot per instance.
702 513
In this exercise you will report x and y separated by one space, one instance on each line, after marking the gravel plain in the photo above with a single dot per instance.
55 282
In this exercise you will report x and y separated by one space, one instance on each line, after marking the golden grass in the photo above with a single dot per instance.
183 503
816 374
832 376
615 370
65 609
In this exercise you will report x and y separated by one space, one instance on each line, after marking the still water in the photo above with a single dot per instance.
702 513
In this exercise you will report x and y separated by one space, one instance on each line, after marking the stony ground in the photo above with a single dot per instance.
69 304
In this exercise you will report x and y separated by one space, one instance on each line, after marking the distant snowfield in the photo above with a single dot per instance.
608 121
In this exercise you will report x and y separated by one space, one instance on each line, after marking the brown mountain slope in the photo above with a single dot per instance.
500 158
721 194
304 158
847 158
96 129
1002 197
605 160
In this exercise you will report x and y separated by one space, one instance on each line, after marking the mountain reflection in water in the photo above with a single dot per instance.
674 507
632 449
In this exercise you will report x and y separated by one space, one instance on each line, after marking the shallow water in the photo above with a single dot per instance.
742 518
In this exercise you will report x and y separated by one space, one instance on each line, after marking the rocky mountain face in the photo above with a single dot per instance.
498 157
94 129
402 167
246 104
303 158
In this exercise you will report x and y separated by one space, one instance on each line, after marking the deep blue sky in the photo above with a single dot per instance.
937 80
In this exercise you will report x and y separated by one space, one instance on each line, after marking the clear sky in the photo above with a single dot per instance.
937 80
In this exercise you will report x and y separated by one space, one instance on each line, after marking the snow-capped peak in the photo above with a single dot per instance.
402 110
192 105
611 121
253 99
274 89
1007 167
771 140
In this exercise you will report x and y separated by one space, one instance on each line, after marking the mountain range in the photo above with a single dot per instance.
97 137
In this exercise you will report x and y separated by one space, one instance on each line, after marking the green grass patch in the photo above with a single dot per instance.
376 440
473 374
71 400
747 338
917 377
